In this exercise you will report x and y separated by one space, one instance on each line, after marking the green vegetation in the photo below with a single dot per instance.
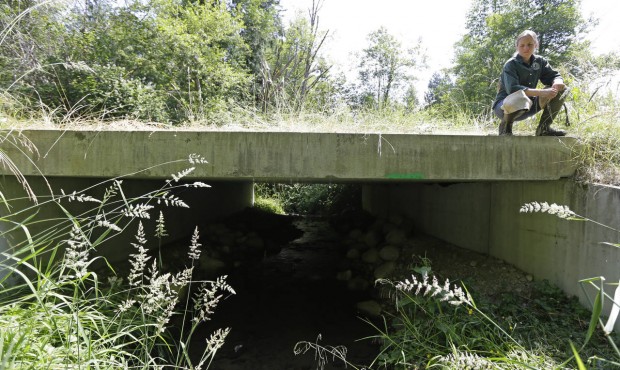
269 205
439 325
310 199
62 306
235 65
436 323
192 61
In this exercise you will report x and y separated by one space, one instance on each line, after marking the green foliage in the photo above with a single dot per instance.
164 60
218 62
58 311
593 114
183 61
438 87
424 330
261 31
103 92
429 329
30 31
385 66
293 74
269 205
311 199
195 41
598 285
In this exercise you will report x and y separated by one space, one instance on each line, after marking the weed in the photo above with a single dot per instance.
323 354
64 314
597 283
440 325
269 205
311 199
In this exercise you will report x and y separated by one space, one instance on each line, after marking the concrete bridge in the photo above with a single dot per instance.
288 156
466 190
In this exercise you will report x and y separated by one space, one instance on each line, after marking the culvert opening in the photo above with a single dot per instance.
288 264
304 261
276 302
301 275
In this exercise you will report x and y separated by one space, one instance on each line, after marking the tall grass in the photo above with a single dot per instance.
597 283
594 117
435 325
439 325
61 307
24 146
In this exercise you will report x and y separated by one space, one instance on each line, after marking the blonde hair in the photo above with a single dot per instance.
525 34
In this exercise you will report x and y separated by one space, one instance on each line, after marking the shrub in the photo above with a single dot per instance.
312 199
269 205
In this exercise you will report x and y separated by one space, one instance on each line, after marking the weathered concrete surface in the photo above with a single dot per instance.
485 217
456 213
282 156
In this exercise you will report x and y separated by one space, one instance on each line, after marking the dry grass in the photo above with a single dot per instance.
596 126
306 122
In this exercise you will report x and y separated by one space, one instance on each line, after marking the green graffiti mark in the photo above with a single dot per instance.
409 176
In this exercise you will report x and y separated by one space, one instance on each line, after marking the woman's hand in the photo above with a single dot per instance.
549 92
558 85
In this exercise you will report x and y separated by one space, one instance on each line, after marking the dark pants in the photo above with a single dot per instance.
499 112
550 111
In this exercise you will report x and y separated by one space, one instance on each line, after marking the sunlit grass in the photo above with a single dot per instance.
594 122
344 121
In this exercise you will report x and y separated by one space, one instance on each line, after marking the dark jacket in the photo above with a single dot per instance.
519 75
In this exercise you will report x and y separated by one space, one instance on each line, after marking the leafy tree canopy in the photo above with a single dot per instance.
385 65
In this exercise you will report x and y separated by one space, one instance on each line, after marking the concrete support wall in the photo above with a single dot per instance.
485 217
221 199
458 214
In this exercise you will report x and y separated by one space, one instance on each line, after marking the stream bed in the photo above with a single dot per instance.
288 297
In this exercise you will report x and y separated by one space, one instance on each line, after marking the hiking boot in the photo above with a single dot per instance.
548 131
549 112
505 128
